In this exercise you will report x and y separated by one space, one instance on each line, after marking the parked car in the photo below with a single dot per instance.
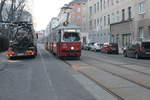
138 50
85 47
88 46
96 47
110 48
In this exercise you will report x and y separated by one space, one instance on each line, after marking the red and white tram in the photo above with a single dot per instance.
65 41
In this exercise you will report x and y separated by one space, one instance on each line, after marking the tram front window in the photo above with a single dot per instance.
71 37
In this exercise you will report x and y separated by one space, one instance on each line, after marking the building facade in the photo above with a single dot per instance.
77 16
119 21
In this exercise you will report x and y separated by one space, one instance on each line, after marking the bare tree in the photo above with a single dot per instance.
16 10
2 3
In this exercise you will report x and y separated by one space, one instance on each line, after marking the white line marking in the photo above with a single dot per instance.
47 76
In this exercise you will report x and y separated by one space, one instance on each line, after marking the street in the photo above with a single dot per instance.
95 76
49 50
45 78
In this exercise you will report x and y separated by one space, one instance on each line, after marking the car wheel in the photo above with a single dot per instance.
107 52
34 56
125 54
137 56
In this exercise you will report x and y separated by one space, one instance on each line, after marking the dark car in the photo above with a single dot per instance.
138 50
110 48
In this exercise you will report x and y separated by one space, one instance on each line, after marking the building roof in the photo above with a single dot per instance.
76 1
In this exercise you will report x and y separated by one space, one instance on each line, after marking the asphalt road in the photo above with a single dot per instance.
48 78
43 78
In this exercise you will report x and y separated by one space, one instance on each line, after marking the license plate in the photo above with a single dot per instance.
20 54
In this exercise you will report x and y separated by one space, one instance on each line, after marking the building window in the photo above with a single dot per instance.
141 8
104 4
112 18
108 19
118 16
141 32
117 1
112 2
97 22
104 20
129 12
97 6
101 5
123 14
101 21
108 1
91 24
90 11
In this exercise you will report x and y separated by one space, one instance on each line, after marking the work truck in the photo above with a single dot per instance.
23 41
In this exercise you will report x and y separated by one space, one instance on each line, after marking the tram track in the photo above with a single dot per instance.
97 83
101 83
130 61
90 67
120 65
146 86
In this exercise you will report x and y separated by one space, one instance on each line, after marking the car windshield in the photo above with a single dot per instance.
71 37
146 45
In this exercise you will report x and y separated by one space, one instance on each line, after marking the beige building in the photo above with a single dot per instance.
120 21
77 16
76 13
136 27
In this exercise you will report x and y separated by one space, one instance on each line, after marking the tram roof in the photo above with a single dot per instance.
70 27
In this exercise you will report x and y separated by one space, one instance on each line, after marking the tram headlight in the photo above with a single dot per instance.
72 48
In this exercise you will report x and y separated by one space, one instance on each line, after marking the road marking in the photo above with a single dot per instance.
47 76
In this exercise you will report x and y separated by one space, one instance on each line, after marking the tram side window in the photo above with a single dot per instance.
71 37
59 36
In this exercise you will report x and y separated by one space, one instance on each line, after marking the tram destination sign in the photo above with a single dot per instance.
71 30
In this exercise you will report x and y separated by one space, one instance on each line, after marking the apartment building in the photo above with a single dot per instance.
134 27
120 21
142 20
76 12
77 15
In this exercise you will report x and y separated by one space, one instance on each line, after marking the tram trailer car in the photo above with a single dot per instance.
66 41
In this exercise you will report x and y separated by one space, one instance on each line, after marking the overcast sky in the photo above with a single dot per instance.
44 10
